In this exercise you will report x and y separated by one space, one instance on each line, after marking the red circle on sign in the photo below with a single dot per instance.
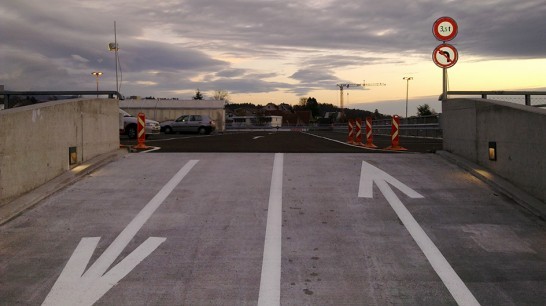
445 56
445 29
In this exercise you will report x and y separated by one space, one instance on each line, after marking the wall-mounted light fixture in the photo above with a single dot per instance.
493 150
72 156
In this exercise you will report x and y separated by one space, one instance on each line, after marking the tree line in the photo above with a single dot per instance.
318 110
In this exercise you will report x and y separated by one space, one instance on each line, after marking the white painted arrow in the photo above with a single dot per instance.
75 286
370 174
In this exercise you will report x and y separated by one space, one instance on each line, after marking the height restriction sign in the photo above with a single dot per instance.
445 29
445 56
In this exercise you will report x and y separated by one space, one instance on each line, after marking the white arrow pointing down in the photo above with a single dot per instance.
370 174
74 287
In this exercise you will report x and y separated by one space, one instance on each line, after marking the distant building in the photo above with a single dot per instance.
270 107
269 115
169 109
254 121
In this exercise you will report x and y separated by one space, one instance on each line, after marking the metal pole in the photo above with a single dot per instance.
444 95
97 74
341 98
116 55
528 99
407 92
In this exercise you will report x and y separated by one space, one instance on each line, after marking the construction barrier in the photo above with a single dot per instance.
350 137
141 131
358 132
395 135
369 134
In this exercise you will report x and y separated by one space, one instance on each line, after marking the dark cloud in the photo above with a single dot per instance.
228 73
148 55
56 44
247 85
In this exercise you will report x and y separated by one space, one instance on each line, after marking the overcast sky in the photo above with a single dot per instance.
278 50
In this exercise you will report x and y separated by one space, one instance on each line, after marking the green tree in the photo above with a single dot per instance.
424 110
313 106
198 95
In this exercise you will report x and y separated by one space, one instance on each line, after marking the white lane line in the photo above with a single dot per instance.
270 283
257 137
152 149
449 277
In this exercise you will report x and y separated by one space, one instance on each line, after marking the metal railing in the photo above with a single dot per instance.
520 97
421 127
424 126
8 94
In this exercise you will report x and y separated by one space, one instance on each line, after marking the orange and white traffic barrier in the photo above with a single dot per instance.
350 125
358 131
141 131
395 135
369 134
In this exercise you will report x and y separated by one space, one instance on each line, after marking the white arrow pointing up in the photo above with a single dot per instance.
370 174
74 287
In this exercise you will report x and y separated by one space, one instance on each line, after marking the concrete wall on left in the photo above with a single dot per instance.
35 140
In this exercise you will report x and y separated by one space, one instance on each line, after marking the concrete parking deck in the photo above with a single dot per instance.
190 229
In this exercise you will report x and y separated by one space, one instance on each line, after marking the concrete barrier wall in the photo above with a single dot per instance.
518 130
36 140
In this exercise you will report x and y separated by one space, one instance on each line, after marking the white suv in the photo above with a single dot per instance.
128 125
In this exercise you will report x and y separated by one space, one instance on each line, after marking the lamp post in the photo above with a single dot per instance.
97 74
114 47
407 92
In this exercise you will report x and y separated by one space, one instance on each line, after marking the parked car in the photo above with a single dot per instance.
201 124
128 126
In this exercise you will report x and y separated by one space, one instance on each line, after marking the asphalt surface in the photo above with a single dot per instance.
198 228
287 142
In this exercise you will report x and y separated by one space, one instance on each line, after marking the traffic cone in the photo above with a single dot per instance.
395 135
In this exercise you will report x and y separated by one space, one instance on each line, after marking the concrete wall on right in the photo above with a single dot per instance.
519 131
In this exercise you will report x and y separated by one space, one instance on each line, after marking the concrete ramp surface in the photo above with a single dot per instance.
275 228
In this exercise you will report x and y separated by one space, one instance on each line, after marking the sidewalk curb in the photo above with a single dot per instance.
18 206
522 198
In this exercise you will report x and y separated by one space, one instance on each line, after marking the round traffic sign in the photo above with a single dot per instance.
445 56
445 29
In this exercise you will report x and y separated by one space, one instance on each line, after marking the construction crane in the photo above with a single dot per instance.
341 86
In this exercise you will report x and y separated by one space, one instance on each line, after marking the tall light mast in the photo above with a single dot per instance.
114 47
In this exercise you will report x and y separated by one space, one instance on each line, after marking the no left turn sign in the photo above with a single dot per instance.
445 56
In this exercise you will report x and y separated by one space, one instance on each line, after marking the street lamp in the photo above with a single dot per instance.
407 92
97 74
115 47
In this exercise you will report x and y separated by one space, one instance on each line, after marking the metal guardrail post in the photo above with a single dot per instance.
528 100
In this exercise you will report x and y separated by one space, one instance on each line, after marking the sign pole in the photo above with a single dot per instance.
444 94
445 56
